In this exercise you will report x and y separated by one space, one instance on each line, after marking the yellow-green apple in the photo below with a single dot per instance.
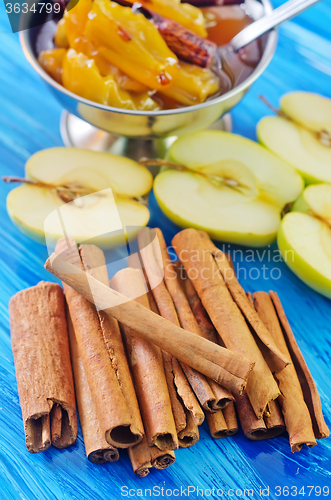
94 173
229 186
302 137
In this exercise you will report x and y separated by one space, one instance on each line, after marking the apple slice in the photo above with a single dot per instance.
302 140
230 187
315 200
318 199
103 212
34 211
305 244
312 110
91 169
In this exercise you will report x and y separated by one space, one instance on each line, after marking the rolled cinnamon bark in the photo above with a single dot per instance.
200 385
187 45
274 421
231 419
222 396
144 457
98 451
100 345
186 427
307 383
255 428
271 353
181 373
162 459
296 414
223 423
176 404
147 368
141 459
204 273
190 434
40 346
228 368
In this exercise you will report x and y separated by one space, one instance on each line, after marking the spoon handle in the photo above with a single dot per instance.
266 23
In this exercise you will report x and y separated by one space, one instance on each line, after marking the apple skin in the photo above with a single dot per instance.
301 268
300 205
250 240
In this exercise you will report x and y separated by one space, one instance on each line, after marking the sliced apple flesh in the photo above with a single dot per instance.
305 244
312 110
303 142
107 214
318 199
90 168
231 187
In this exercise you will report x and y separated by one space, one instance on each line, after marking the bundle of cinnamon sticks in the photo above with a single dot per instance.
152 353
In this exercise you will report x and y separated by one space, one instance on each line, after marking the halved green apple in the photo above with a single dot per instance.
303 140
109 208
305 244
231 187
315 200
94 170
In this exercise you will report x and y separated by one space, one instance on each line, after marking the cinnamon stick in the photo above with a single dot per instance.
144 457
204 273
43 369
274 421
255 428
190 434
162 459
296 414
176 404
186 427
223 423
307 383
228 368
186 44
141 459
222 396
272 354
147 368
94 263
98 451
182 312
181 372
102 352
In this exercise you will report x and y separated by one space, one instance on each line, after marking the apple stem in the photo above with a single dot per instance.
66 193
286 209
275 110
323 136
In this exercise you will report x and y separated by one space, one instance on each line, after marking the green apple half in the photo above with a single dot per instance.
297 144
36 209
315 200
235 189
305 244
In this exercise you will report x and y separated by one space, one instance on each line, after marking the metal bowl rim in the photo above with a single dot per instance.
264 62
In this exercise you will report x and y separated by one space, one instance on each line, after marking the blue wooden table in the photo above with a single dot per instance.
29 121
